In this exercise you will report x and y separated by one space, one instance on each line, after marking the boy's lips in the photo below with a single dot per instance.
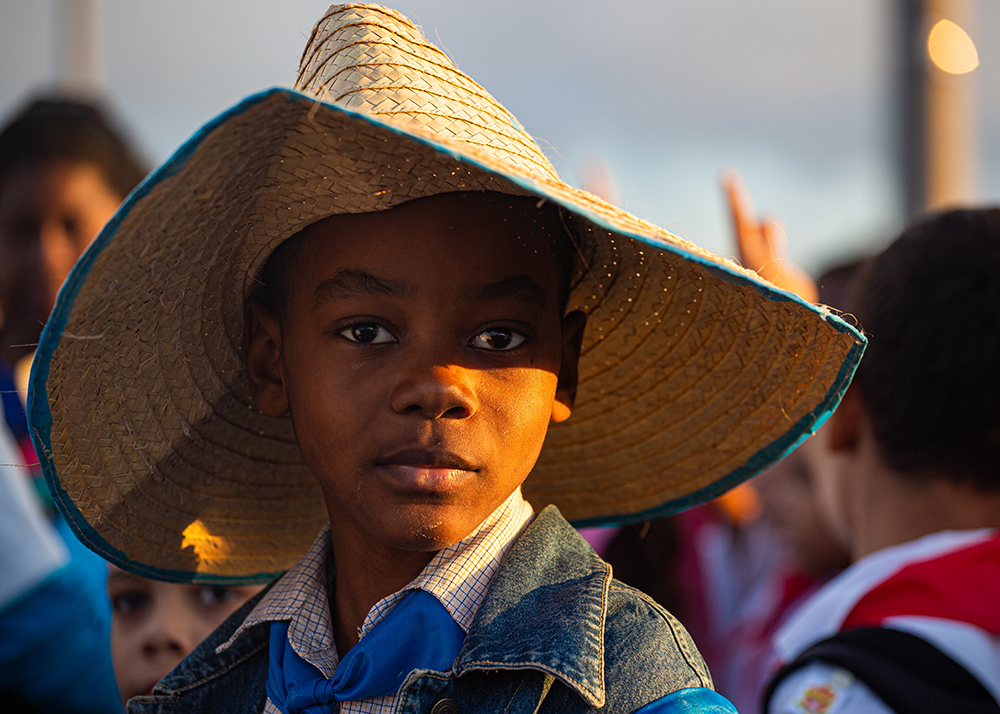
427 470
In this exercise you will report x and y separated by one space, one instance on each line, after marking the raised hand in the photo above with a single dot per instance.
761 242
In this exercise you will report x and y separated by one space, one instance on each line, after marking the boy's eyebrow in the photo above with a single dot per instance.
348 283
519 287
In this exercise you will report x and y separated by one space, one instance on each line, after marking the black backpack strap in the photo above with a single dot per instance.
909 674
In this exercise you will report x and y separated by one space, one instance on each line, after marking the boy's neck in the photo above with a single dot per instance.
366 572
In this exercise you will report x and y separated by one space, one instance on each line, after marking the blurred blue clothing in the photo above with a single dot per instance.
13 409
693 700
93 576
55 616
54 649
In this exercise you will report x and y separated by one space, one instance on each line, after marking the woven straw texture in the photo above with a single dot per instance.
695 373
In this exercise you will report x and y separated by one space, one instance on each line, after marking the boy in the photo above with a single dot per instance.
912 624
378 283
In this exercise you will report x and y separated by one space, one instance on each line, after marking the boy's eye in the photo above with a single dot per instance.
215 595
497 339
129 603
368 333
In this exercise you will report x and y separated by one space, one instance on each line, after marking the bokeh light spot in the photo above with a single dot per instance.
951 49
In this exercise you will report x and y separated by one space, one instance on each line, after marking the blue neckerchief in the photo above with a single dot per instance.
418 633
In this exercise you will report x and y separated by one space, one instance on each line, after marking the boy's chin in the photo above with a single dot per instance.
407 526
424 532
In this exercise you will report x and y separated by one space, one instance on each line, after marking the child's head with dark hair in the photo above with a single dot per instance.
930 304
64 168
61 130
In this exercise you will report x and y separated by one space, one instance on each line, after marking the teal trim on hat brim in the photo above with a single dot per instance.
40 417
774 452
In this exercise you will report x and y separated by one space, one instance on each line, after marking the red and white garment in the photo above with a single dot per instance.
943 587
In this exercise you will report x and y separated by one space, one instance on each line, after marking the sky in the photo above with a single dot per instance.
665 93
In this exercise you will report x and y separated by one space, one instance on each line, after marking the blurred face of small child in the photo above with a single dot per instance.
155 625
422 354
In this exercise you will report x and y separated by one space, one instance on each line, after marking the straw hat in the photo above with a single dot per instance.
695 373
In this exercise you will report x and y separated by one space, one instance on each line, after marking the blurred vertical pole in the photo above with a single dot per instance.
951 120
938 133
912 66
81 47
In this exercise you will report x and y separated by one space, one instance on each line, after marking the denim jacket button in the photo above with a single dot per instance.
446 706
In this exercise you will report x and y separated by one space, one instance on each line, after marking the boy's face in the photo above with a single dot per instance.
422 355
154 625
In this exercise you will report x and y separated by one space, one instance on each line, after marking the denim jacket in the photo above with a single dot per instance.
554 633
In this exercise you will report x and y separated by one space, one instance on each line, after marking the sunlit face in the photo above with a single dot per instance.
154 625
422 356
49 213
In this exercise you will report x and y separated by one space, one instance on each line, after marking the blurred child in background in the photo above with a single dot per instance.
155 624
912 625
64 168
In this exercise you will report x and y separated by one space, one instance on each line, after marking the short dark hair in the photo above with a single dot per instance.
49 130
930 377
271 292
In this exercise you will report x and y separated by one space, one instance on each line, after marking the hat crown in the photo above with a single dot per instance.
371 59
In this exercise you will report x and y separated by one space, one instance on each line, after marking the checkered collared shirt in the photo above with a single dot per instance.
457 576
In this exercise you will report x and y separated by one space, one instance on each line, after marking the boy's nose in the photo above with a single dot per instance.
438 392
169 636
165 643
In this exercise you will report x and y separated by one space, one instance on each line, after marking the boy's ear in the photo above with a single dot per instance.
264 365
569 369
845 422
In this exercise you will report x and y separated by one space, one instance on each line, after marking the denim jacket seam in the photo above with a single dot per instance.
594 699
602 628
682 646
516 691
216 673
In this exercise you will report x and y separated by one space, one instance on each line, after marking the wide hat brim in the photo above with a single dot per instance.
695 373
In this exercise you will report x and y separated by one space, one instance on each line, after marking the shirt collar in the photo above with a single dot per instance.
457 576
